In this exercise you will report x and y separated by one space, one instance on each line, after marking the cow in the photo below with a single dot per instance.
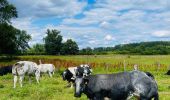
5 70
22 68
118 86
47 68
70 73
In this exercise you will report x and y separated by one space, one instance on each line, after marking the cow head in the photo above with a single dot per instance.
64 75
80 84
87 71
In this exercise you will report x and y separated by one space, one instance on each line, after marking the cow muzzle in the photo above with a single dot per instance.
77 95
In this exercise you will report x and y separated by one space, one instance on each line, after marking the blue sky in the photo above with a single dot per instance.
95 23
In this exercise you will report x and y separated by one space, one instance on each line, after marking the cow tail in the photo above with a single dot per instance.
14 69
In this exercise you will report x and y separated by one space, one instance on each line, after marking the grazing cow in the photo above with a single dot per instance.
22 68
47 68
5 70
70 73
119 86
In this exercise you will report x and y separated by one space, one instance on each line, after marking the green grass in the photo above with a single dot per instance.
54 88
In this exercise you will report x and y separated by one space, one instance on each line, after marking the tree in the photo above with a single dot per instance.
12 40
70 47
86 51
53 42
7 11
37 49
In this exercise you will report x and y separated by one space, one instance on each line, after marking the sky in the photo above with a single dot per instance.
95 23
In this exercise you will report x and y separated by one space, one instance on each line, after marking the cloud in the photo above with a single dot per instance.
46 8
125 20
109 37
161 34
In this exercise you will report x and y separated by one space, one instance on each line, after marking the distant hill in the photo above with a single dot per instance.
144 48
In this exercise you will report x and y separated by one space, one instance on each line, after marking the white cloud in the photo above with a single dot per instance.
37 33
125 20
109 37
161 34
48 8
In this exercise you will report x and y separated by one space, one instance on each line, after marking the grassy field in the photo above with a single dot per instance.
54 88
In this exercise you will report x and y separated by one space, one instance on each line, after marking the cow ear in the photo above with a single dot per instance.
16 64
86 81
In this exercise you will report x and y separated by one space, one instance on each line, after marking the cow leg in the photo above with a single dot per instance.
50 74
98 96
15 81
29 79
71 85
21 80
38 78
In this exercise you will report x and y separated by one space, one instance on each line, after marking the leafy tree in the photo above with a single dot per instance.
12 40
86 51
7 11
53 42
70 47
36 49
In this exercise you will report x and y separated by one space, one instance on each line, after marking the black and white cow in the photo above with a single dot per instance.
70 73
119 86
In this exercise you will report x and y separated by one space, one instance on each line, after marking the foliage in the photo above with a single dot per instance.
7 11
86 51
12 40
36 49
69 47
53 42
144 48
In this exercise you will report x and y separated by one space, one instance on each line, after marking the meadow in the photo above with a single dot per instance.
55 88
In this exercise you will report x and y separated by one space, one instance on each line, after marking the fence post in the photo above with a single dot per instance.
135 67
124 64
158 66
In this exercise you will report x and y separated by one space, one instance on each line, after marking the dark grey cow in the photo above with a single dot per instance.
5 70
120 86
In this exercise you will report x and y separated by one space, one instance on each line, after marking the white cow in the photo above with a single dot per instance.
44 68
22 68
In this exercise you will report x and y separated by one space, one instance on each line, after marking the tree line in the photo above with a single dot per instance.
144 48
